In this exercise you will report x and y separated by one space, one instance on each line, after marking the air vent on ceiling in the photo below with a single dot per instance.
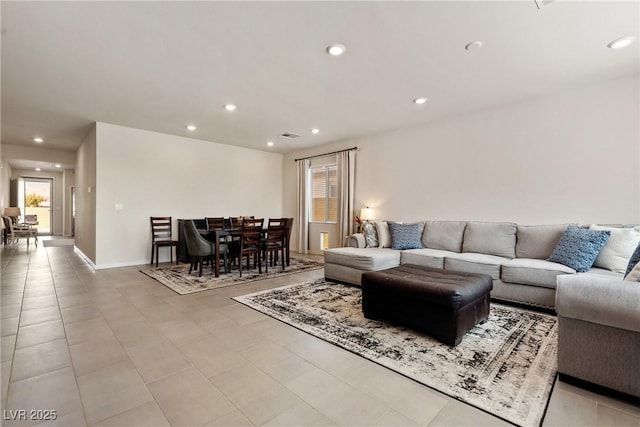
543 3
290 135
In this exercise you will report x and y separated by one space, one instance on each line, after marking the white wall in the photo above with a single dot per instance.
85 180
5 178
68 182
568 157
155 174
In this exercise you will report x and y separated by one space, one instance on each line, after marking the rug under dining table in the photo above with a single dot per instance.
178 279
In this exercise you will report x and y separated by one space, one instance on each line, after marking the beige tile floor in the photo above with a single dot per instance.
116 348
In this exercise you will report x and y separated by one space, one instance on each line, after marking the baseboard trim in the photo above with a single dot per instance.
596 388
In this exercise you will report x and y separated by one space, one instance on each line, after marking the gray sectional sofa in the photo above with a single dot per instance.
515 256
598 309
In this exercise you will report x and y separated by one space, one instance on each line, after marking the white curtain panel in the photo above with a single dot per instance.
346 188
303 207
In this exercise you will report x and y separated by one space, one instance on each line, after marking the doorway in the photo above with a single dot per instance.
35 198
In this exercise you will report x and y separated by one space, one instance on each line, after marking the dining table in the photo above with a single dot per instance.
217 234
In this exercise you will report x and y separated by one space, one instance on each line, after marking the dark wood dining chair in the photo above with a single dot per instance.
227 223
274 242
214 223
289 227
161 237
251 243
200 249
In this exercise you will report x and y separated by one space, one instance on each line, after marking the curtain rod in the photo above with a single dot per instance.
326 154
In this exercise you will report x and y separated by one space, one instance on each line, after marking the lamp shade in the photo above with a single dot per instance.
367 214
12 212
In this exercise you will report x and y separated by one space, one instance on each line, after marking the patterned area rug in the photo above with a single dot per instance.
506 366
177 277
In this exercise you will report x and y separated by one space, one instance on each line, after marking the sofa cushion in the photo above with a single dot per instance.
445 235
616 252
538 272
491 238
475 263
425 257
406 236
363 259
538 241
579 247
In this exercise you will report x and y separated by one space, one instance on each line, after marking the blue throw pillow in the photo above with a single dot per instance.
406 236
578 248
635 258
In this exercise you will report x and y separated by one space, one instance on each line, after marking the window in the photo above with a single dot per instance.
324 194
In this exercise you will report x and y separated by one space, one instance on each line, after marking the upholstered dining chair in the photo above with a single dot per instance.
161 237
274 243
289 227
251 243
200 249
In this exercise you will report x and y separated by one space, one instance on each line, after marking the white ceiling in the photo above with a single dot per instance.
162 65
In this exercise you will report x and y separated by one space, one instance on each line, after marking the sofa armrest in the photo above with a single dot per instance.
600 300
355 240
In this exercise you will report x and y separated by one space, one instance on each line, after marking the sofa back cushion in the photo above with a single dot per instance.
616 252
491 238
538 241
444 235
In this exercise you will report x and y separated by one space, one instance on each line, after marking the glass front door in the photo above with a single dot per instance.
35 197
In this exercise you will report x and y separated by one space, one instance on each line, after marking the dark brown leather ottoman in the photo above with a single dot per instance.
442 303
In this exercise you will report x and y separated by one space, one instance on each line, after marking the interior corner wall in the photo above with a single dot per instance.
568 157
142 173
5 178
85 181
68 183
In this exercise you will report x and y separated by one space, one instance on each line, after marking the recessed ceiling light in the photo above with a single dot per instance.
336 49
38 169
191 128
230 107
315 131
270 143
420 101
473 45
621 42
58 165
38 140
